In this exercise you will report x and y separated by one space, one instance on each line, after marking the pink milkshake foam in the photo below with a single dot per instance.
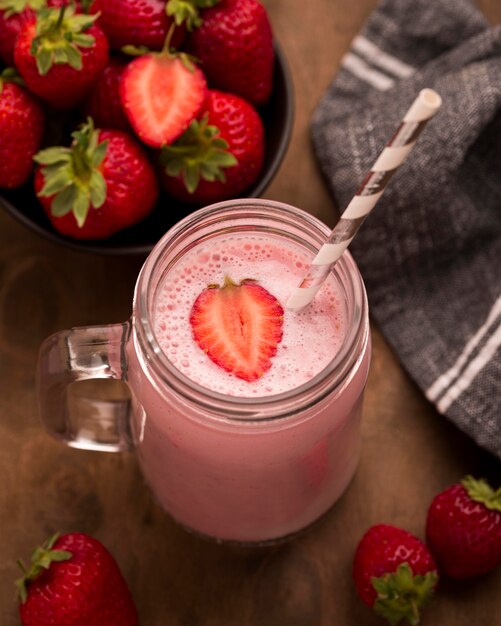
311 338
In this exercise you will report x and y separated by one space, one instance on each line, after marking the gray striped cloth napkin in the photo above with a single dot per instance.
430 252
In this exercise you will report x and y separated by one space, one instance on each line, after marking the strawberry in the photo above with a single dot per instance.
161 92
235 46
394 572
60 55
98 186
463 528
74 581
103 104
137 23
21 129
239 326
15 13
219 156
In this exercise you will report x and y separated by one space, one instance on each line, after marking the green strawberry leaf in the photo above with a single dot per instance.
71 56
480 491
86 5
97 189
401 594
52 156
59 36
72 175
183 11
81 206
191 177
187 60
223 159
64 201
10 75
44 59
56 183
135 51
174 166
219 143
80 22
83 40
205 4
42 558
200 152
188 11
98 152
13 7
60 555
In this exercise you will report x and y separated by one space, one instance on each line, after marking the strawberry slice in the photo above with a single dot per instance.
238 326
161 93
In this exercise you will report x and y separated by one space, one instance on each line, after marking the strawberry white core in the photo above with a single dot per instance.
310 340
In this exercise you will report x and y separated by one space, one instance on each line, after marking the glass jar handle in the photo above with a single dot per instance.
82 354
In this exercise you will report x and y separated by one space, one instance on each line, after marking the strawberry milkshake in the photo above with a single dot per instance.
245 415
254 432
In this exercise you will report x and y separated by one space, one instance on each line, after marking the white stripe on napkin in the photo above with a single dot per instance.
377 57
361 69
447 379
478 363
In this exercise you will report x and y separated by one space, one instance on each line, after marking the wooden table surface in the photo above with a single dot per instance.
409 451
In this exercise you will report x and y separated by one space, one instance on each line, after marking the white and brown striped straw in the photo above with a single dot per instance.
422 109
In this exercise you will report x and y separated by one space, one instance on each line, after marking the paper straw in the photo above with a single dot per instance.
422 109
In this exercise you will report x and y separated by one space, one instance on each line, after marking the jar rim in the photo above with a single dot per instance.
255 408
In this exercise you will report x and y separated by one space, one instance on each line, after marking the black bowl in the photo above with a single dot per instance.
277 115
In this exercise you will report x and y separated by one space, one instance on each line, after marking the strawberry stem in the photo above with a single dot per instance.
166 47
186 59
60 19
228 282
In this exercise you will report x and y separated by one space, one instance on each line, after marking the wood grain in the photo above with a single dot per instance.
409 451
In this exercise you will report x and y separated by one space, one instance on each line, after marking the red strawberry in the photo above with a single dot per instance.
103 104
74 581
218 157
235 47
161 92
61 56
137 23
15 13
21 130
463 528
238 326
100 185
394 572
